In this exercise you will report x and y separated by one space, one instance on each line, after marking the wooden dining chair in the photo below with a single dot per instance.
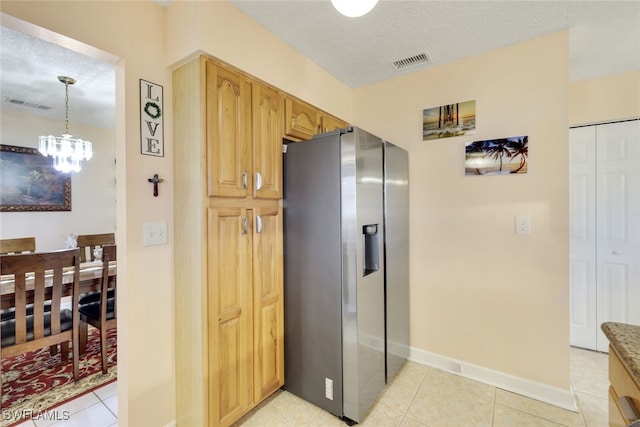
89 242
17 246
103 313
38 282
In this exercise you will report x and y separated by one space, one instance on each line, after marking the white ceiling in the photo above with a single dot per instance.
29 70
604 35
604 40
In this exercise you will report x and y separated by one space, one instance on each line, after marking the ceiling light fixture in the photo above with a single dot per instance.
67 152
354 8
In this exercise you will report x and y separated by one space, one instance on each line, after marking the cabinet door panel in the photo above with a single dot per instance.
268 302
267 142
228 132
330 123
230 316
301 120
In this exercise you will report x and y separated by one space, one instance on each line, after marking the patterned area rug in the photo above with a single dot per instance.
36 381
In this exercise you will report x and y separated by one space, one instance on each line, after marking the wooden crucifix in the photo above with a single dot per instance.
155 181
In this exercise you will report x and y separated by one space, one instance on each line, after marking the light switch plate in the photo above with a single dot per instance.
154 233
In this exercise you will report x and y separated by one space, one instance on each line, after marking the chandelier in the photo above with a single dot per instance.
354 8
67 152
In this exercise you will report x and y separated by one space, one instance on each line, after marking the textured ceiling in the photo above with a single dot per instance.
604 35
29 70
604 40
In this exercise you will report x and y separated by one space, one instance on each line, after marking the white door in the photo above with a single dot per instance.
605 230
582 236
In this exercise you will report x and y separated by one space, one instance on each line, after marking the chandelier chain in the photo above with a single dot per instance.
66 106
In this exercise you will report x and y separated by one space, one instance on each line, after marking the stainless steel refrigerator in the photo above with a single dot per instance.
346 269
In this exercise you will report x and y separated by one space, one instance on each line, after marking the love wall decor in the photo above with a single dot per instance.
151 119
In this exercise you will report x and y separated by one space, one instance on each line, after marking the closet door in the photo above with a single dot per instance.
605 230
582 236
618 224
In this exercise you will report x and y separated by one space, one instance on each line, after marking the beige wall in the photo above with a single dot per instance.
605 99
221 30
148 40
480 293
133 32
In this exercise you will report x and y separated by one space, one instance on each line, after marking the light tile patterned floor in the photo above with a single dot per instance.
419 396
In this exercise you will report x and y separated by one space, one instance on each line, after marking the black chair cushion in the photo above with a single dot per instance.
91 297
10 313
8 328
93 310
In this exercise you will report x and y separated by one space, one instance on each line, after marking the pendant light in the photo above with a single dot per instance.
354 8
67 152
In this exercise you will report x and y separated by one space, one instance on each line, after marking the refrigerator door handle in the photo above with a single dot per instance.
258 181
258 224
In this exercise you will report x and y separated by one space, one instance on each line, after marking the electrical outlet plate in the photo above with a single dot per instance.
523 224
328 388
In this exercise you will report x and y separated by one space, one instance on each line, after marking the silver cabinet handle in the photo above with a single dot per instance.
245 179
616 252
629 410
245 225
258 224
258 180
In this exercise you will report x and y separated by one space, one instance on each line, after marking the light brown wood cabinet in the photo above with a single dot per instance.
228 132
622 386
245 309
268 106
244 135
329 123
303 121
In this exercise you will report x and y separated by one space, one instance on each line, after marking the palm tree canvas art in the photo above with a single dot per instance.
497 156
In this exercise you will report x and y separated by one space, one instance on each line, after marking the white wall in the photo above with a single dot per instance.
93 189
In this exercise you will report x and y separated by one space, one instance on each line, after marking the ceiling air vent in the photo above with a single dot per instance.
27 104
412 61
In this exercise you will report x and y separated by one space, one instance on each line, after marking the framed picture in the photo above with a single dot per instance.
497 156
28 182
449 120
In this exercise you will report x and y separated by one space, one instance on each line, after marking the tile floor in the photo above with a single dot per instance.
96 409
419 396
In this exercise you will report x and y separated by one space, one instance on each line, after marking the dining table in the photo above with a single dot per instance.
89 280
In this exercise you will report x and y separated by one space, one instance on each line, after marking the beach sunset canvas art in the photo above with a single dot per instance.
497 156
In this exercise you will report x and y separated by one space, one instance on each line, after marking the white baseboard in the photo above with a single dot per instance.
545 393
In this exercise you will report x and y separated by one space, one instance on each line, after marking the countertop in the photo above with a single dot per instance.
625 340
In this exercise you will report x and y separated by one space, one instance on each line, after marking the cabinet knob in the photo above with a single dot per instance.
258 181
